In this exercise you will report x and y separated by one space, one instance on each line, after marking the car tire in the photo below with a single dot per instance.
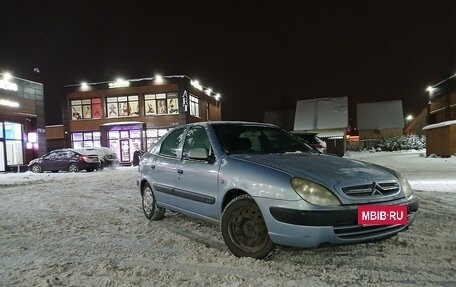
90 169
149 205
244 230
73 167
36 168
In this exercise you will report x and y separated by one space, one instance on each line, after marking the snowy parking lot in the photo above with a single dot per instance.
88 229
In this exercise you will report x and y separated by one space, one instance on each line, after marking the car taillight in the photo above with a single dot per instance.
86 159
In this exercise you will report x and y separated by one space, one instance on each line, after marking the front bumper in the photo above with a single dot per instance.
313 228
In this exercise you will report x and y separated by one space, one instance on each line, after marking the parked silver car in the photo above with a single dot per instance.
266 187
107 156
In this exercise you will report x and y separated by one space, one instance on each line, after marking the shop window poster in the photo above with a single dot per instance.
161 107
150 107
123 109
133 108
87 112
96 111
76 113
112 110
172 106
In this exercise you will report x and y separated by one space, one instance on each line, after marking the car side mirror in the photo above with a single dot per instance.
198 154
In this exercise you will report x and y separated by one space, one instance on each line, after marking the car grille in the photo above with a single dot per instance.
372 190
366 232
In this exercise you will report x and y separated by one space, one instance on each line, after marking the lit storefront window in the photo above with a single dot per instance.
194 106
152 136
13 143
124 143
161 104
86 109
85 139
125 106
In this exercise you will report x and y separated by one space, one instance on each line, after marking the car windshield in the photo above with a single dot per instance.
257 139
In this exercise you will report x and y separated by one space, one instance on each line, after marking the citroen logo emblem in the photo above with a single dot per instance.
376 189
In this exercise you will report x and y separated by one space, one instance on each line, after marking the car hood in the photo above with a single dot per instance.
325 169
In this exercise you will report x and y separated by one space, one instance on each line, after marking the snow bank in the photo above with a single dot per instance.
87 229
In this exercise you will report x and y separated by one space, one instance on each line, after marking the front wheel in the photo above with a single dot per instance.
244 230
36 168
149 205
73 167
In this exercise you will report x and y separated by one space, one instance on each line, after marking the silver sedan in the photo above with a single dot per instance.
265 188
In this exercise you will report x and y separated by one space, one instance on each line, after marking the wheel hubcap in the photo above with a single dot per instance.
148 200
248 230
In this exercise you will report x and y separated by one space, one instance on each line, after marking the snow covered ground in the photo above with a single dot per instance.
87 229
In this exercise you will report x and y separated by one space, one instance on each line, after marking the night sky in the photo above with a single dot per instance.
260 57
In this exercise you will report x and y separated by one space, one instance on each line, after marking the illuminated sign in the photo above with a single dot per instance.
119 84
185 101
6 85
9 103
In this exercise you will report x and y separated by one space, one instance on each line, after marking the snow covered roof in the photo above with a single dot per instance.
439 125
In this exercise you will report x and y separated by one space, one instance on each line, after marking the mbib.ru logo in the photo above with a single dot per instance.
382 215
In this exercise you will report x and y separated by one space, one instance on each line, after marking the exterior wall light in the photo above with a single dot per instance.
5 83
158 78
119 83
197 85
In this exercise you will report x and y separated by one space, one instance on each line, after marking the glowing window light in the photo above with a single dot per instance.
32 137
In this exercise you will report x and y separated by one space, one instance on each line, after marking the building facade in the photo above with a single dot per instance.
22 130
130 115
441 118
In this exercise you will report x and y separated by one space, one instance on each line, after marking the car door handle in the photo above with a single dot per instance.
180 171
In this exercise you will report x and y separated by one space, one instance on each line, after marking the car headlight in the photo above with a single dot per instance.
408 191
313 192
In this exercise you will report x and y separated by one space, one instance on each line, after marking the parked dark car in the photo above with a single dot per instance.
65 160
265 187
108 158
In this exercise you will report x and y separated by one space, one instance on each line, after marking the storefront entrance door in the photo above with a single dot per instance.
125 150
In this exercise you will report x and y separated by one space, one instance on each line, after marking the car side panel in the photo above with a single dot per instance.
197 187
161 173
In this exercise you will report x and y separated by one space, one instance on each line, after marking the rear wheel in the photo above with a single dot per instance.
149 205
73 167
36 168
244 230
